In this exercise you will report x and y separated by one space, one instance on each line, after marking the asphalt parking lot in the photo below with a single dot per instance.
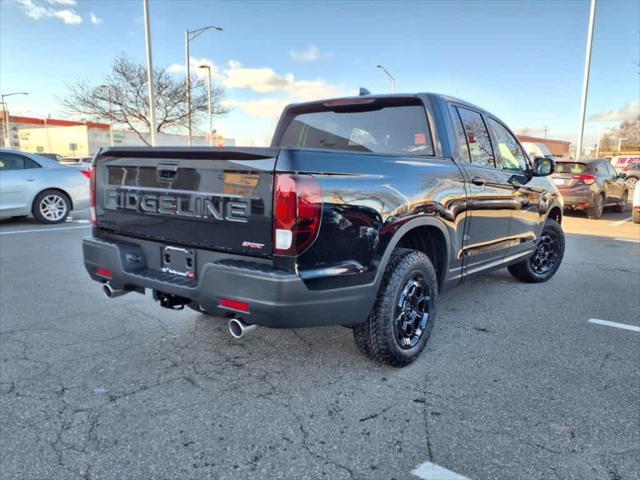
516 383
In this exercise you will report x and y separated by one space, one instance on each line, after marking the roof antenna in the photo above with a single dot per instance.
363 91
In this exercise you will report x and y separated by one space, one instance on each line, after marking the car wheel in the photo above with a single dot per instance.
546 259
595 210
404 313
622 206
631 182
51 206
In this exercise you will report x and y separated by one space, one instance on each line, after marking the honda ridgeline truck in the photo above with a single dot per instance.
361 212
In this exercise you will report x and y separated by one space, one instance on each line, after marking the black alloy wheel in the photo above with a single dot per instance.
547 253
412 311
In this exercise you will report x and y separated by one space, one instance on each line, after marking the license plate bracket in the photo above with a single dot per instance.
179 261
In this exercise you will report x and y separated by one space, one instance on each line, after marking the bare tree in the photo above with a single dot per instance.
121 98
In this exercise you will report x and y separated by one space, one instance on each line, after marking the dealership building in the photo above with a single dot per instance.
83 139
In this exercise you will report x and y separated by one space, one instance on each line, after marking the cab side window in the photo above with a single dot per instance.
509 153
477 138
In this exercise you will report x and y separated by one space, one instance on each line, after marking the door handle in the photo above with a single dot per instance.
31 179
166 171
478 181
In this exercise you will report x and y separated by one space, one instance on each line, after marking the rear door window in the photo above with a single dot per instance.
396 128
509 153
462 139
477 138
11 161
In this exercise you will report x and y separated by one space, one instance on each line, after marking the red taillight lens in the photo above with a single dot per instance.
586 179
86 173
297 211
104 272
92 194
234 305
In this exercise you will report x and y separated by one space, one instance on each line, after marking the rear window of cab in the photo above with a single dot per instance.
361 125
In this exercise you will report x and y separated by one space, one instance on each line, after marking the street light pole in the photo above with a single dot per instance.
108 88
7 128
208 67
585 83
152 101
620 139
188 36
392 79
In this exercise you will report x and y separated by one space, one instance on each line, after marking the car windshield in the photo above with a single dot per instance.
394 129
572 167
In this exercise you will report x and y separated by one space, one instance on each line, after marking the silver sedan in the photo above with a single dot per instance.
32 184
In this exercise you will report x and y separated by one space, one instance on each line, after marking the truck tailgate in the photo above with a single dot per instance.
212 198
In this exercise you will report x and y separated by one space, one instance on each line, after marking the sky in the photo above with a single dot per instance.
521 60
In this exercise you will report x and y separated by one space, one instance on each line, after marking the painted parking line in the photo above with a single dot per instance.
431 471
607 323
41 230
620 222
631 240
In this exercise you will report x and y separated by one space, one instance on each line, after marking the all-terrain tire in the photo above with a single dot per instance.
527 270
378 337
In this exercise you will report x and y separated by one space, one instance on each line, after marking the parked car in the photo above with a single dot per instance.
33 184
632 172
590 185
360 213
636 206
53 156
76 160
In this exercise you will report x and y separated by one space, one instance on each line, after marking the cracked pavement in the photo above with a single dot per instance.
513 384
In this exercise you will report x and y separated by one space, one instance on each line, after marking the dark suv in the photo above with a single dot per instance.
590 185
360 213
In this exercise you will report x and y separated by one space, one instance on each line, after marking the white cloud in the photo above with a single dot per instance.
37 10
194 63
309 55
265 108
68 16
94 19
630 111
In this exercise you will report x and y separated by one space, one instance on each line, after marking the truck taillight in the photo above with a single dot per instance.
297 212
586 179
92 194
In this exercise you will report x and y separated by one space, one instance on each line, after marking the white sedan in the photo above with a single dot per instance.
636 204
32 184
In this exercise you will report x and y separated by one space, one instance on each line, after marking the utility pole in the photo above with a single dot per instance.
152 101
108 88
188 36
392 79
620 139
585 83
545 132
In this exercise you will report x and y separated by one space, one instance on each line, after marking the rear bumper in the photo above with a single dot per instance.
276 299
578 200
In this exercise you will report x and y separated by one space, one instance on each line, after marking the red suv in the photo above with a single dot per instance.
590 185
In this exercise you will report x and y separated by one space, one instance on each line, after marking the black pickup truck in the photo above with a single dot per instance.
361 212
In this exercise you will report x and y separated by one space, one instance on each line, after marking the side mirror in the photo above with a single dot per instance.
622 175
543 167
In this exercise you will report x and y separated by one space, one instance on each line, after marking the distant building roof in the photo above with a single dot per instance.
54 122
527 138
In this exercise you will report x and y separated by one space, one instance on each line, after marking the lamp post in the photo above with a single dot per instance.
208 68
152 101
392 79
585 83
108 88
7 129
620 139
188 36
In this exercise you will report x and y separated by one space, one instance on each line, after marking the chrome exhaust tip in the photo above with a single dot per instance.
239 329
111 292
